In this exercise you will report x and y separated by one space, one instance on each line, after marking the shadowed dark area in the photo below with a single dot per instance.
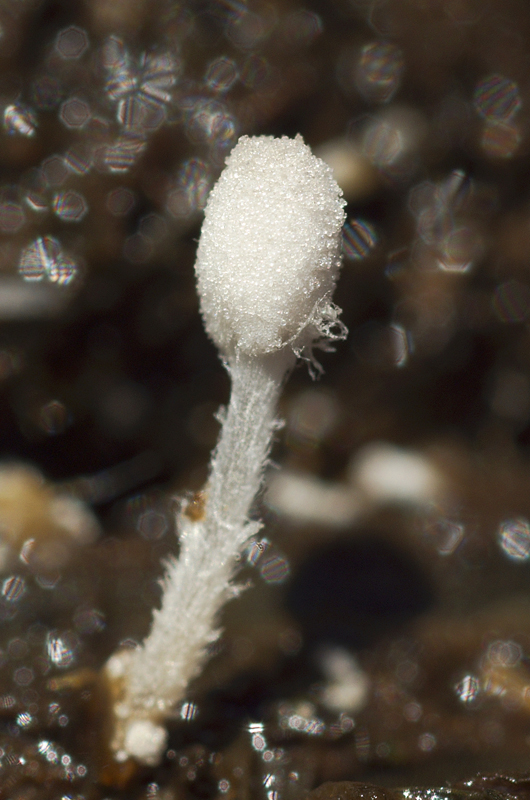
353 591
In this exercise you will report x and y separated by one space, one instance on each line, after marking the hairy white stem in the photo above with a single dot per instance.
237 464
199 582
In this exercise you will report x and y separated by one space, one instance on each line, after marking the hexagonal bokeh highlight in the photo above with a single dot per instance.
70 206
71 42
120 201
12 217
54 170
74 112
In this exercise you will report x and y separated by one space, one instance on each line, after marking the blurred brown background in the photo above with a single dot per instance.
116 120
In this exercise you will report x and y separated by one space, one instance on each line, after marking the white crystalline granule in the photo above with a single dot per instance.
269 251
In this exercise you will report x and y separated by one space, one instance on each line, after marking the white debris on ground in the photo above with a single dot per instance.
306 498
383 473
379 474
39 524
348 686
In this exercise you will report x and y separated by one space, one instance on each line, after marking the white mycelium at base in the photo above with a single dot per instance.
266 266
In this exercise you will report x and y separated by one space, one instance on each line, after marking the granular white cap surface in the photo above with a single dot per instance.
269 251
